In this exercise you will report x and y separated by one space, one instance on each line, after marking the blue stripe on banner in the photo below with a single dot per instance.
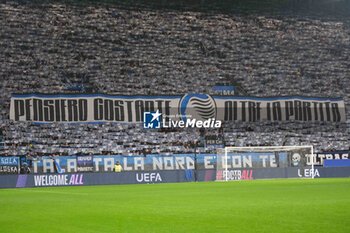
175 97
94 95
277 98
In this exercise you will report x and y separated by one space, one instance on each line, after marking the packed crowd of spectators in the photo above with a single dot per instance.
60 48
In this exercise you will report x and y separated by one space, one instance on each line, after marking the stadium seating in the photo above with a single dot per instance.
59 48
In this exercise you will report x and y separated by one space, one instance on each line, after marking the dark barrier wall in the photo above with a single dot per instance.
107 178
110 178
277 173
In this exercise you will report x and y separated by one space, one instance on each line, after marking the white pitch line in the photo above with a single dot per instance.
54 192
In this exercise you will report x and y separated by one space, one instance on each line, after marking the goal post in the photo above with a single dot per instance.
264 162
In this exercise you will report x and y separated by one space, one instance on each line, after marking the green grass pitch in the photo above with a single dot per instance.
294 205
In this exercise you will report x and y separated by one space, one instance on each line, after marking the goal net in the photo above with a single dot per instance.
265 162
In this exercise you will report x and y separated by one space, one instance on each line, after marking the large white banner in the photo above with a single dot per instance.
105 108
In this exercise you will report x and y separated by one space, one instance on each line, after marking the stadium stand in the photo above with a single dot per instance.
63 48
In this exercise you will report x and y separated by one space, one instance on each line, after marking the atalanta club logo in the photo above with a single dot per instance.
194 111
197 106
296 159
152 120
